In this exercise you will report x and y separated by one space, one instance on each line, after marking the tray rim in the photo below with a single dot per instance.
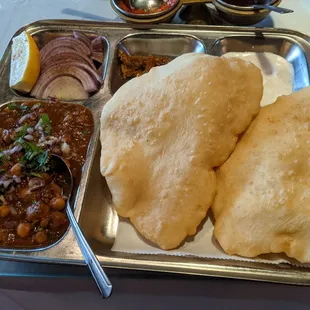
258 272
164 26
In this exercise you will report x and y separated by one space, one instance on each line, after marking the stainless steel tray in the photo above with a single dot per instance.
93 208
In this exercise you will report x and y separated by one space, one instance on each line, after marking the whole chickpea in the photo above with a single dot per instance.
41 237
4 211
23 230
57 203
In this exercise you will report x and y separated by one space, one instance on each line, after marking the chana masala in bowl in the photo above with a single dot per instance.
32 206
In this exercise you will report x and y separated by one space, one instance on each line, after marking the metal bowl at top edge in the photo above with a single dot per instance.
142 16
241 17
244 8
166 18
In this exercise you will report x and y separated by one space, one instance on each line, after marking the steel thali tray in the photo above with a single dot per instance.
92 202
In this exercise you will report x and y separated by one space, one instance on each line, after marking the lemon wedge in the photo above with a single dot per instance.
25 63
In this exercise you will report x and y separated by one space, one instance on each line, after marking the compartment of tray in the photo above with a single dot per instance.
44 37
171 45
98 219
289 50
77 180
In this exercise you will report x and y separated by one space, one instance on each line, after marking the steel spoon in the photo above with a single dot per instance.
272 8
145 4
102 281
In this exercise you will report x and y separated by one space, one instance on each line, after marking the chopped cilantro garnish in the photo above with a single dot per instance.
42 160
31 150
13 106
3 158
35 158
47 124
35 174
86 132
22 132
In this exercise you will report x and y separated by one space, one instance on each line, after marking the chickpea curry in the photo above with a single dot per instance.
32 206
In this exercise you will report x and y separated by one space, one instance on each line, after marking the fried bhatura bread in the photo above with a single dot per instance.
162 134
263 199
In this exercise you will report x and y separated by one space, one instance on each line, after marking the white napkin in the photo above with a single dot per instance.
203 244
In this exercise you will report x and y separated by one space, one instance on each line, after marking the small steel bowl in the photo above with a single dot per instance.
115 5
233 14
244 8
155 18
242 15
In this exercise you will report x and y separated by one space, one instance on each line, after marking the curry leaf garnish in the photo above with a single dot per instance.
47 124
86 132
13 106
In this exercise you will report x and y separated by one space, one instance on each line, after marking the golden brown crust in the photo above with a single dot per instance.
263 199
162 134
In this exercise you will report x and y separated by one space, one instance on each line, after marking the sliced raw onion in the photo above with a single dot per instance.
6 183
100 70
96 45
88 81
65 148
62 42
38 105
28 137
82 37
60 53
98 56
67 88
67 62
18 129
59 61
17 179
38 125
23 118
13 150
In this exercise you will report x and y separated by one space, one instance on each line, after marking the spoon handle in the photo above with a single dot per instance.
276 9
103 283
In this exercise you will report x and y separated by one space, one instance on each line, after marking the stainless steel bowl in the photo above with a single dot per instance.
137 19
115 4
235 15
244 8
242 15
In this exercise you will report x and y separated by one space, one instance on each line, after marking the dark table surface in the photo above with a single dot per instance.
31 286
